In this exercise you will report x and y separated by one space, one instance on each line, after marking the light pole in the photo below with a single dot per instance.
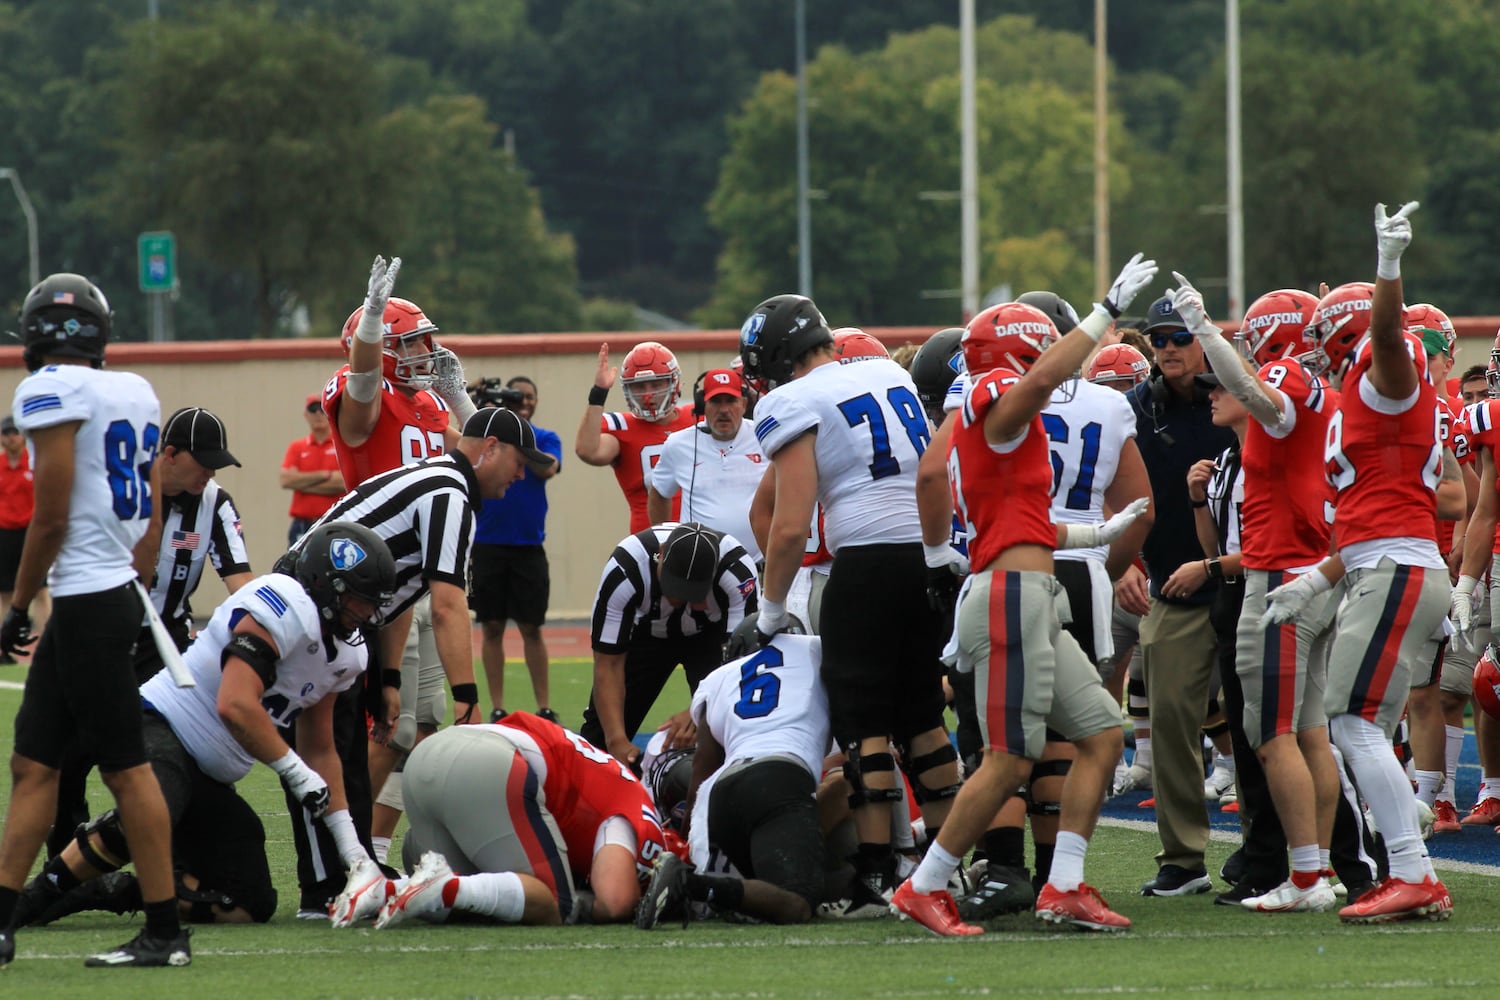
30 213
968 170
804 211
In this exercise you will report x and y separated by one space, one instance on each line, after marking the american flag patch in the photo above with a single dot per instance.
66 298
186 539
747 587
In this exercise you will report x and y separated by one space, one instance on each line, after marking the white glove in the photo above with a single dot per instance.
941 556
1392 236
448 381
772 619
1134 276
1087 536
363 894
371 327
1462 604
1288 600
305 784
1188 302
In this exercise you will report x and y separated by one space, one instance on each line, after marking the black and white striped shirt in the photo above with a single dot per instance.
425 513
195 528
629 597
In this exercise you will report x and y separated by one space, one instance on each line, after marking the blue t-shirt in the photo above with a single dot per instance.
520 517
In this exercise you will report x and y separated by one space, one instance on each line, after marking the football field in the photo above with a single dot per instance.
1176 946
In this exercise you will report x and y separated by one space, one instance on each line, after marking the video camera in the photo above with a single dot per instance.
492 392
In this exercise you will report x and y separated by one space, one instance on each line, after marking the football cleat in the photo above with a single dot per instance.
1339 888
7 947
363 894
1445 818
935 911
113 892
1426 819
1083 907
666 895
1220 782
1004 890
1136 779
424 894
1174 880
1486 812
145 951
1287 898
1395 899
867 900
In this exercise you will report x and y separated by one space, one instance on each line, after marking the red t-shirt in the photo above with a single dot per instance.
16 492
307 455
409 429
640 449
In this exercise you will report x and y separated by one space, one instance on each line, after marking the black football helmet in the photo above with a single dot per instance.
668 777
778 332
345 558
1058 309
65 315
936 364
742 641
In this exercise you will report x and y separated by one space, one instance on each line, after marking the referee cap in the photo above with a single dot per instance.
689 562
201 434
509 427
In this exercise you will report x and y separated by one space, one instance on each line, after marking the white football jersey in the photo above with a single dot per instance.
1087 426
871 430
116 443
305 672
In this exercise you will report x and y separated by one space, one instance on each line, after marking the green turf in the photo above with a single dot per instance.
1177 945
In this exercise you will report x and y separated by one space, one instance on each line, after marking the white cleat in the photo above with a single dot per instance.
363 895
1287 898
421 895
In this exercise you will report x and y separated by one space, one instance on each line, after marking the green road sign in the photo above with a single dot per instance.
157 254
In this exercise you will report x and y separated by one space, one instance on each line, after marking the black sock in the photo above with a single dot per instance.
8 900
874 859
1044 860
932 835
722 892
59 874
1006 846
161 918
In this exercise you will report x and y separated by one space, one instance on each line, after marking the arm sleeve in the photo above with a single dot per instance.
1226 363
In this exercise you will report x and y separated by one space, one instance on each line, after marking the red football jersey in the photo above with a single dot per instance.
1006 498
1385 467
586 786
640 449
1283 523
1480 423
410 429
1455 438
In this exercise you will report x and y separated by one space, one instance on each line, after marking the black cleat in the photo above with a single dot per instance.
497 714
666 896
115 892
1004 890
7 947
144 951
39 895
549 715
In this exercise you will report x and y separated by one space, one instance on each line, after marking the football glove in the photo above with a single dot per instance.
1392 236
15 632
1288 600
772 619
1087 536
946 570
1188 302
1462 603
371 327
1134 276
305 784
450 385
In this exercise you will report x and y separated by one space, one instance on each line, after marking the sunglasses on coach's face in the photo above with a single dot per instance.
1178 338
314 407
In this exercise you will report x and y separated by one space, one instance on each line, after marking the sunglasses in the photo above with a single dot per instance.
1177 338
314 407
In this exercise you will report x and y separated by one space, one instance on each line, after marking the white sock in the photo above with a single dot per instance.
1383 782
1224 762
1453 739
382 847
1142 752
1305 859
495 894
1428 783
936 867
1489 787
1067 861
1325 859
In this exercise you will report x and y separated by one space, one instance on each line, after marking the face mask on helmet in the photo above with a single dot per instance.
1275 325
651 380
1339 322
408 354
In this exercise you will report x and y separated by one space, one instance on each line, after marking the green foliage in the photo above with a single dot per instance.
608 314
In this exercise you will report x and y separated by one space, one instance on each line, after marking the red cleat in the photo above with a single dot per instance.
1486 812
935 911
1395 899
1083 907
1147 803
1445 818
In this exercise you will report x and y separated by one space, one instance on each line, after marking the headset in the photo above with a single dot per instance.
700 401
1157 393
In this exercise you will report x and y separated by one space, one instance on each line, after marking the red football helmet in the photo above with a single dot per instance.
852 344
408 355
1274 325
650 362
1341 318
1487 682
1119 363
1418 319
1012 335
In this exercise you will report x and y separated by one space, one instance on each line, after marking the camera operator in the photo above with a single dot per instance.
510 579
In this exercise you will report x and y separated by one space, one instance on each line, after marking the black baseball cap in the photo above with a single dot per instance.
509 427
201 434
689 562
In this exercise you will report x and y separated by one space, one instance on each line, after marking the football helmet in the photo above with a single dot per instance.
1340 320
851 344
1012 335
1274 325
344 558
742 641
1422 317
65 315
776 334
649 361
668 777
1058 309
408 354
1119 362
1487 682
936 364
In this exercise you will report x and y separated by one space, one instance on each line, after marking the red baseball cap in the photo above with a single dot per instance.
722 382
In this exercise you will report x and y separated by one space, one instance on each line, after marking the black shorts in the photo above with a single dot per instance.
1073 574
509 583
81 691
764 819
649 664
12 540
881 644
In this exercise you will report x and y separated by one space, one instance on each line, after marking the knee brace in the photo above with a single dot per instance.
111 835
1135 702
1040 770
915 766
1216 730
855 767
404 736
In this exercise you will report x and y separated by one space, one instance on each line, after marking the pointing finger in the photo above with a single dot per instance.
1405 210
1186 284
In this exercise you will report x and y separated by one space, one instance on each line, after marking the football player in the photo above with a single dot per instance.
1029 674
631 442
1385 462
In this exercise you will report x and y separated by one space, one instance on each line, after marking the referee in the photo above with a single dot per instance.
668 595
